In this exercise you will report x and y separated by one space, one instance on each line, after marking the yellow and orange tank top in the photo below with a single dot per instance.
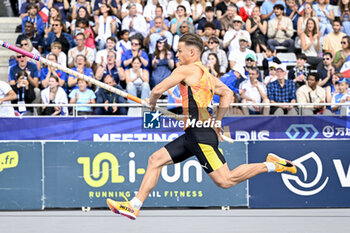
197 98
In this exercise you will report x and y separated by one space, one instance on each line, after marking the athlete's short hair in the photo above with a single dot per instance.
193 40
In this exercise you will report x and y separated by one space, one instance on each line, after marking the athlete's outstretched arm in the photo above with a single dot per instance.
177 76
226 96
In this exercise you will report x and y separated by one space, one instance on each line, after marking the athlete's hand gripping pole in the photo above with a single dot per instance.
94 81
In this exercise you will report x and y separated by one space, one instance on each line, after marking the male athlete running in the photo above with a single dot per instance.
197 87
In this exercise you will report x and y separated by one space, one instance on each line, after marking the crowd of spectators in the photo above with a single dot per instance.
132 45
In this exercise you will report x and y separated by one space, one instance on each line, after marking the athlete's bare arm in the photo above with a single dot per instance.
185 73
226 96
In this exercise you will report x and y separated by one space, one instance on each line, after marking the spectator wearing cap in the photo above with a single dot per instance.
162 62
232 80
231 37
282 91
227 19
127 5
155 33
237 56
300 72
280 30
209 17
221 8
254 91
312 93
209 31
272 76
250 63
269 56
214 47
80 49
33 17
268 10
134 22
342 97
326 70
180 17
173 8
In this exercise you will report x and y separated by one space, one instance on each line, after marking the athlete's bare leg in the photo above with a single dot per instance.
225 178
156 162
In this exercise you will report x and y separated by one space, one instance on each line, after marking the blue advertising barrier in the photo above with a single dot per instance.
132 128
322 180
79 174
85 174
20 176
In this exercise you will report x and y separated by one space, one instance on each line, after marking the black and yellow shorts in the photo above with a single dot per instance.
201 142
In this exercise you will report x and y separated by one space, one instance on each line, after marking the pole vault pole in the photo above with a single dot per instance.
94 81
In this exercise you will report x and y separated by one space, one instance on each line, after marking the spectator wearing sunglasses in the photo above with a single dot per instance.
26 44
177 21
214 47
57 34
186 26
23 65
29 32
341 55
135 51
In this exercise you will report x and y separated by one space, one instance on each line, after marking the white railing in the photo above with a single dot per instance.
135 105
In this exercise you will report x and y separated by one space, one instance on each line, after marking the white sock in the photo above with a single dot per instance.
136 203
270 166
